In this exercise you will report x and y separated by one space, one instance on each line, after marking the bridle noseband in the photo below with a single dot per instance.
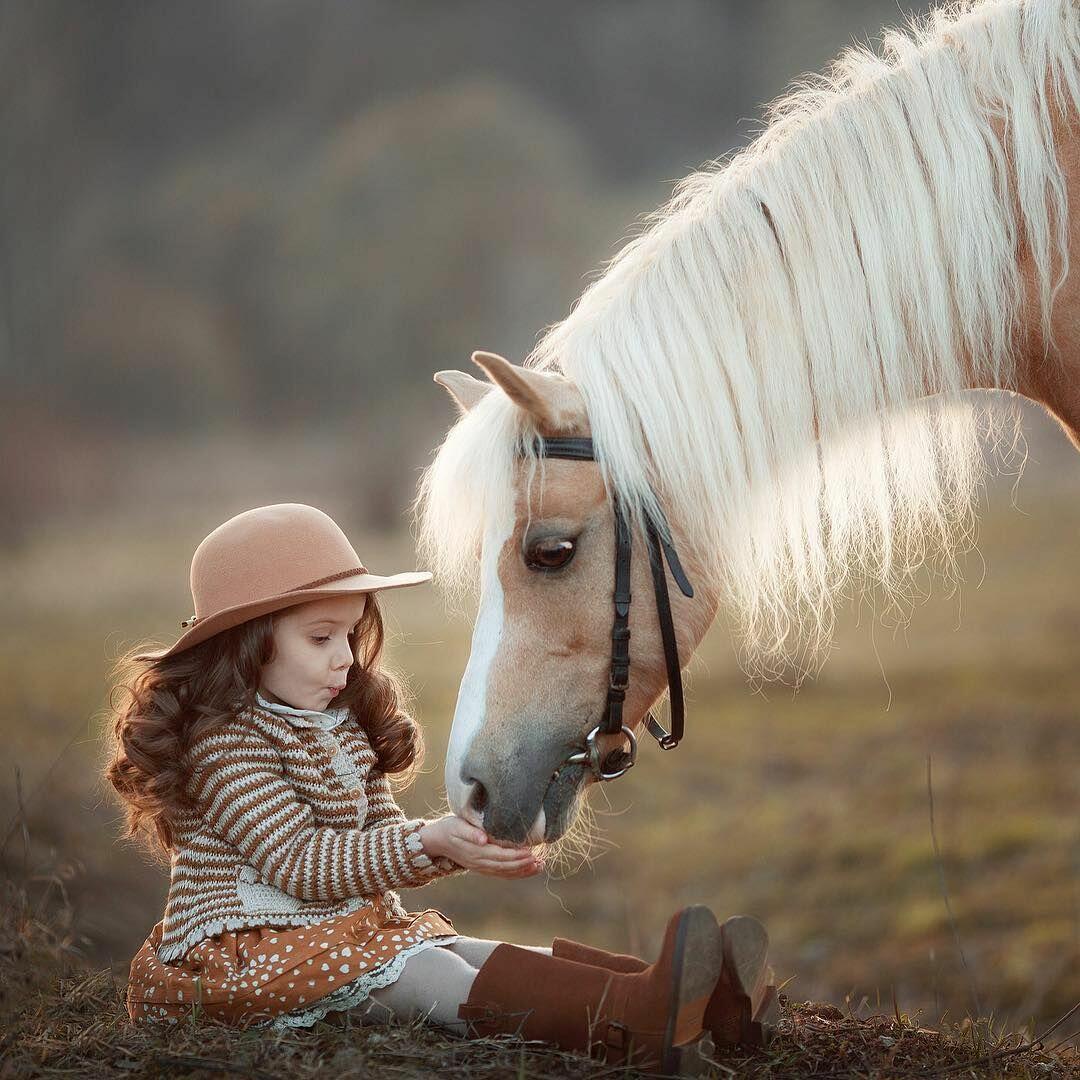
581 449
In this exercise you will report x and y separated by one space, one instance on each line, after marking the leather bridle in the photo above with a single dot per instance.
616 762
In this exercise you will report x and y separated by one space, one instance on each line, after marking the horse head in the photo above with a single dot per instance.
538 675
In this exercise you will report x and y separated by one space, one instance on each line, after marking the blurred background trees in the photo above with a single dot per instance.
223 216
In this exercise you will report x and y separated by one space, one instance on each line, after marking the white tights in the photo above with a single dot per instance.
433 984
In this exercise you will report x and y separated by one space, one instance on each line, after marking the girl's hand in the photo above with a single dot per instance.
472 848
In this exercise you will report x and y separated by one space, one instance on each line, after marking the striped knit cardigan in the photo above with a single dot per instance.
293 824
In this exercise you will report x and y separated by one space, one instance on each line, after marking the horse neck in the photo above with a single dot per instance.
763 354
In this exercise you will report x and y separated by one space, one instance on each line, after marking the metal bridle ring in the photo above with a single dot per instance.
591 754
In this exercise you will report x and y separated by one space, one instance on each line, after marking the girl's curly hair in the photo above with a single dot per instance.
167 703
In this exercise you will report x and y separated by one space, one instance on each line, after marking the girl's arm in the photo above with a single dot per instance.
383 810
239 787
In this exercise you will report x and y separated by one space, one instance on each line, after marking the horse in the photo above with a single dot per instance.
770 383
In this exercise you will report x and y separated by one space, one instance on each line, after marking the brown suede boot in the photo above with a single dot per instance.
652 1019
743 1009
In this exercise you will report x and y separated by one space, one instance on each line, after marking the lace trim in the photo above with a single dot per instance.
441 865
418 857
352 994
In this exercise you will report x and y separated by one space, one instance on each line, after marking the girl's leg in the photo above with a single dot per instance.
431 986
475 951
576 1006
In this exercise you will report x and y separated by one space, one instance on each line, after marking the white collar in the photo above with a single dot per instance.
315 718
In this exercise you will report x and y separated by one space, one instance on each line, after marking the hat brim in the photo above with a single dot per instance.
234 616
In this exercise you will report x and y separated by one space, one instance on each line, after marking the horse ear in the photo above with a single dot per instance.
462 387
550 399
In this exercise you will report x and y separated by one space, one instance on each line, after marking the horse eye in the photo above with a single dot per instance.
549 554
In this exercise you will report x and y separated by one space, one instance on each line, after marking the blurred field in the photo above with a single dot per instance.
809 811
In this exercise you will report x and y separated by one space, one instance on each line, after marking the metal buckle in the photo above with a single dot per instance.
624 1035
591 755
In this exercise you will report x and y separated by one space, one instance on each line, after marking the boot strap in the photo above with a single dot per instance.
473 1012
486 1020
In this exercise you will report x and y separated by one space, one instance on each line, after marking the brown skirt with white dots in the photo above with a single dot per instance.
282 977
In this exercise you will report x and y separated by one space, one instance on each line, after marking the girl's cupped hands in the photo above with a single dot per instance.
472 848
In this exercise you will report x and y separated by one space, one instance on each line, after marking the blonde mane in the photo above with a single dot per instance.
758 354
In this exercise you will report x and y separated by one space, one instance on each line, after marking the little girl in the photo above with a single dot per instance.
254 752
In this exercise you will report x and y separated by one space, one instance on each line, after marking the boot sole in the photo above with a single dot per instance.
746 950
768 1013
696 967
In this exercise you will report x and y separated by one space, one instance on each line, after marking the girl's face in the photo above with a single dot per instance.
312 652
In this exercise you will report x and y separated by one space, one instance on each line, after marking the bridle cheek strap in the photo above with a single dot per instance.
619 677
667 740
581 449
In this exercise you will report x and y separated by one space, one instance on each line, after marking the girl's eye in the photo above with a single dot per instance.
326 637
549 553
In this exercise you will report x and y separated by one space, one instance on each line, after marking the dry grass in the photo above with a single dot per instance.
61 1017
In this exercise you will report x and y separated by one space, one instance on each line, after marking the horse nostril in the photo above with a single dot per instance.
478 796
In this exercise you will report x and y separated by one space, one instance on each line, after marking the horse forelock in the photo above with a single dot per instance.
758 355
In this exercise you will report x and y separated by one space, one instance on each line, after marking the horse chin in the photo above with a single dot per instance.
561 800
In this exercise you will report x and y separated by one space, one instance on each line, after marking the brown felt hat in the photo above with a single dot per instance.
271 558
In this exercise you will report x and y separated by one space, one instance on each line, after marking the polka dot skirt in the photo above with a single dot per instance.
258 974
